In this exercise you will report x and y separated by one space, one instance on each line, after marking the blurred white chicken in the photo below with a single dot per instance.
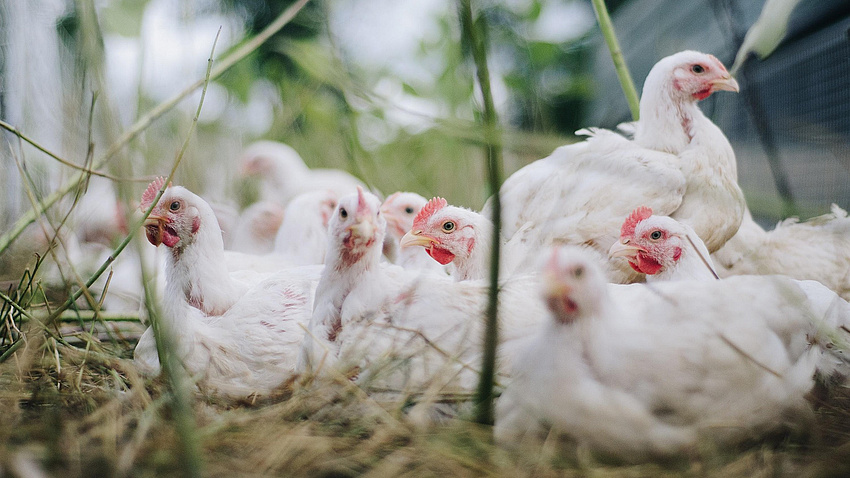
256 228
399 210
402 329
818 249
300 240
638 369
98 214
679 164
303 236
236 337
284 175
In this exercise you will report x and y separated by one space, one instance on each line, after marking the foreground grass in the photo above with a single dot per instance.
67 412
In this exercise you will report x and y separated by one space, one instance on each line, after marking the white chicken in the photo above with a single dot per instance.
679 164
98 214
399 210
665 249
256 228
818 249
636 370
401 329
236 338
284 175
303 236
300 240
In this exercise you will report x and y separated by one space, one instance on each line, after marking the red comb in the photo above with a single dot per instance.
634 218
151 192
428 210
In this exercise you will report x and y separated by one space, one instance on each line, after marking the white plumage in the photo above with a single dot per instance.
256 228
679 164
635 370
303 236
300 240
818 249
403 329
284 175
236 337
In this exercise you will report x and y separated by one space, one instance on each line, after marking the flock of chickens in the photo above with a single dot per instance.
391 294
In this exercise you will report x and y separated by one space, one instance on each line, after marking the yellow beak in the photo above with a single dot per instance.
618 249
154 220
364 229
725 84
414 238
554 286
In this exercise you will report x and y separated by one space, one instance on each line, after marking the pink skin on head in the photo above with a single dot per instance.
362 205
712 70
326 209
392 220
353 245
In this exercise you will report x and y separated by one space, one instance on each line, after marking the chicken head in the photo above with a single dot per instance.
175 220
697 75
446 232
357 225
574 284
650 243
399 210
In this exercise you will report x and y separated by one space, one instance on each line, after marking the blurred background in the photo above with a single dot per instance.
384 89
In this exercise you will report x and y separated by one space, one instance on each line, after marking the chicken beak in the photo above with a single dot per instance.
153 229
619 249
415 238
363 229
726 83
553 286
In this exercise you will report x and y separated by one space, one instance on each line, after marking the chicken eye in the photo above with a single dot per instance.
448 226
174 206
408 210
655 235
343 213
697 68
578 272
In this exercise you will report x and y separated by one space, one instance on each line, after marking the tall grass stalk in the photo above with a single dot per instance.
475 35
610 35
180 385
145 121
